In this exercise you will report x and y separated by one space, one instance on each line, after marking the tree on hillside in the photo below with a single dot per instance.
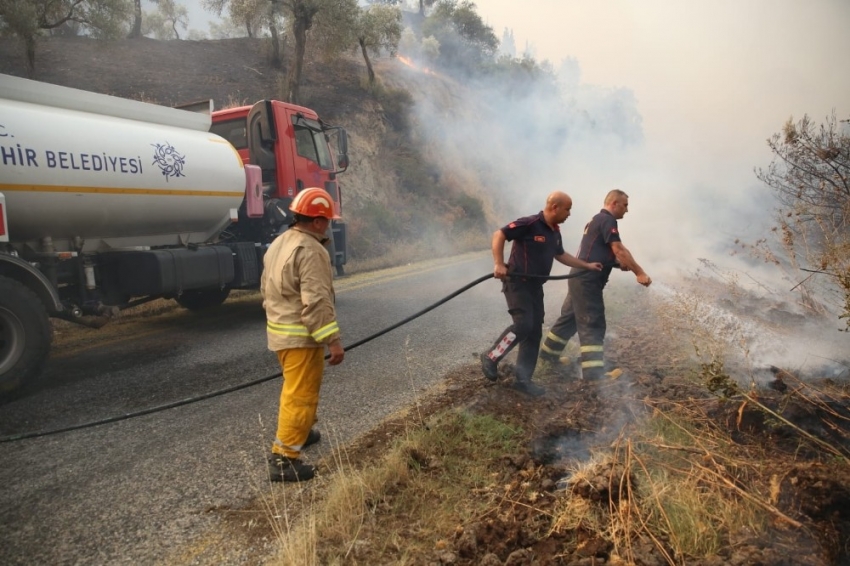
426 50
423 4
253 16
334 21
250 15
466 42
272 24
378 27
507 47
136 28
27 19
163 23
810 176
516 77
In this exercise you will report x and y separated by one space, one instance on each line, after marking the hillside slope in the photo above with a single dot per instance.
230 71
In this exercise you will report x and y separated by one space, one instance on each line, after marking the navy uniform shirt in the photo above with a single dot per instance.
596 242
535 246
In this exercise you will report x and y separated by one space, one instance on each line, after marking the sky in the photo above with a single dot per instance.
720 65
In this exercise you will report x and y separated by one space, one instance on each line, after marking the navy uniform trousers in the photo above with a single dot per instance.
583 312
525 305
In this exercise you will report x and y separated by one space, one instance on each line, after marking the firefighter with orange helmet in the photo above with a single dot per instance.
298 297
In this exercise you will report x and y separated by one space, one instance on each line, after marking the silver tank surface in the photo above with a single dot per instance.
111 172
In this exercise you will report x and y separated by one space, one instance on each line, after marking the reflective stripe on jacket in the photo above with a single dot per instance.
298 294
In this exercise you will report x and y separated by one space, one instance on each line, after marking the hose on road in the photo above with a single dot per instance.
195 399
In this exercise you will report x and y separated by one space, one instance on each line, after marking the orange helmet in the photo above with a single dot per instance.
313 202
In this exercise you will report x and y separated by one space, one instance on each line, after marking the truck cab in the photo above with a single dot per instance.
295 150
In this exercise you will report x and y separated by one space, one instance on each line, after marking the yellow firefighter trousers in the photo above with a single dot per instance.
299 398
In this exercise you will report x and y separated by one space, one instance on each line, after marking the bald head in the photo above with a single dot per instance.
558 206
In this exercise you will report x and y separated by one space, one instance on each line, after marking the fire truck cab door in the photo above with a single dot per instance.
262 138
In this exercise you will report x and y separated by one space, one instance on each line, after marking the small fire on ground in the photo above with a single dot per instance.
409 62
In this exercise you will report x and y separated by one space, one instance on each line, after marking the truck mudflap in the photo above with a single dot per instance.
169 272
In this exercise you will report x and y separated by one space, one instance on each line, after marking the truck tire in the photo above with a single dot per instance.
199 299
25 336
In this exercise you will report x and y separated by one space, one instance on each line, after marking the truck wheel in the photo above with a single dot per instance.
25 335
198 299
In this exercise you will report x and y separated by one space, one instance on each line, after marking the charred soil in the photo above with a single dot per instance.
582 491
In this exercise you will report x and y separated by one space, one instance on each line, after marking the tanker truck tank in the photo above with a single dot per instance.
94 172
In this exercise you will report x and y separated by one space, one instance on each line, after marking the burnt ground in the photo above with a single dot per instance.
774 457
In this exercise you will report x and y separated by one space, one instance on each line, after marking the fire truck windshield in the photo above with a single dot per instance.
310 141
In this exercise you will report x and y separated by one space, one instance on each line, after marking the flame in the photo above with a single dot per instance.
409 62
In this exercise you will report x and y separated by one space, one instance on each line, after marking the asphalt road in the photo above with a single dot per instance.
130 492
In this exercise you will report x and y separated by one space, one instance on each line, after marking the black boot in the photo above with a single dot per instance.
283 468
529 388
312 438
489 368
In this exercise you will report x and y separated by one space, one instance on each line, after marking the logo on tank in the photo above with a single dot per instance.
169 161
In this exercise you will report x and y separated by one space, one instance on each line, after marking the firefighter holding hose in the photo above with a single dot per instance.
583 311
536 243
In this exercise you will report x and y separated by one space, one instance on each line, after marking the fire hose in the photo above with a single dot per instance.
217 393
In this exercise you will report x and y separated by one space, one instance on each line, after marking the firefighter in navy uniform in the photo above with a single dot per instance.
536 244
583 310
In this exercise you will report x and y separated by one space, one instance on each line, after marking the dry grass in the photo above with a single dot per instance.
396 507
674 481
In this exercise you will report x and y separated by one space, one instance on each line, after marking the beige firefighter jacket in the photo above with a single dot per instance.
298 293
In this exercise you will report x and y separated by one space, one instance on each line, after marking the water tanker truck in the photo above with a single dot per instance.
107 203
